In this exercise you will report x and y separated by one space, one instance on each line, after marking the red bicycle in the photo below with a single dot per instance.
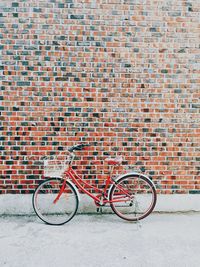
132 196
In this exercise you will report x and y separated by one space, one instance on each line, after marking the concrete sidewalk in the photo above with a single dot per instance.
101 241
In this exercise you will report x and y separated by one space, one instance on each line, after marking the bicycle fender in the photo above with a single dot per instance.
128 174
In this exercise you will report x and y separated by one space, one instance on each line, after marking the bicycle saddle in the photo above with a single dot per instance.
114 161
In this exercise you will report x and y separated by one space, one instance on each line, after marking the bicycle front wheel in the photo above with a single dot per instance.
133 197
55 201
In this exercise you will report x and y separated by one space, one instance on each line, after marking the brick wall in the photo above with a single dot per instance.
121 74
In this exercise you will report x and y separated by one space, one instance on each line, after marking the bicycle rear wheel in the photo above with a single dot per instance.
55 201
133 197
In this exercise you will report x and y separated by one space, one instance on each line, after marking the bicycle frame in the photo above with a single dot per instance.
102 197
80 183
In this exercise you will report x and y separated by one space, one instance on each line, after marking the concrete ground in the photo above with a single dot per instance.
101 241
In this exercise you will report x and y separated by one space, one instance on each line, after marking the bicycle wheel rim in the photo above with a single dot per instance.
138 203
48 209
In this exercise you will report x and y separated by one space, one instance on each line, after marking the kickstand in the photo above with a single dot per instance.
139 225
99 210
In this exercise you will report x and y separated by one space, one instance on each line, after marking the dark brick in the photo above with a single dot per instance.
76 16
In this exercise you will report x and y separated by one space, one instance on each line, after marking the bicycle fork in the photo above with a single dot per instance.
60 192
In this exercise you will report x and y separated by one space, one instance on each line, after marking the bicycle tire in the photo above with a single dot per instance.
65 207
133 197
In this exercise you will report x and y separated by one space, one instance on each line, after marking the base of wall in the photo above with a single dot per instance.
22 204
